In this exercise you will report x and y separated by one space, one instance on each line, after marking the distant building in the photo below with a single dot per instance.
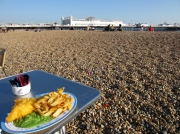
27 24
165 24
142 24
176 24
13 24
90 21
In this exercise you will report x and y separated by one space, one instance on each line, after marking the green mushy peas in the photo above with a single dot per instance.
31 120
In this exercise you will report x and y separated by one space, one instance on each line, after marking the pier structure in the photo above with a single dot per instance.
92 23
89 21
66 27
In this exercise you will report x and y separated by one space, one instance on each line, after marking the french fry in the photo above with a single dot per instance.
41 101
54 103
52 98
66 104
45 108
53 94
60 90
57 112
49 113
40 112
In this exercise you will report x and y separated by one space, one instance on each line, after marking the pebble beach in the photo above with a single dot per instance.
138 74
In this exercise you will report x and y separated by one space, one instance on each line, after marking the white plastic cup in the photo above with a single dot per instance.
21 90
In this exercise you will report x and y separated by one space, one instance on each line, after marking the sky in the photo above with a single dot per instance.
128 11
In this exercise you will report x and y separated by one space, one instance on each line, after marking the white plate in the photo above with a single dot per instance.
10 128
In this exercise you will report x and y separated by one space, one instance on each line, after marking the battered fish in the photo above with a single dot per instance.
22 107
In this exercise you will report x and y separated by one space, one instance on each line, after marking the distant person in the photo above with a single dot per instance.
87 28
120 27
150 29
108 28
142 28
112 28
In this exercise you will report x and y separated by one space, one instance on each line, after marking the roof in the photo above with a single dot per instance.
91 18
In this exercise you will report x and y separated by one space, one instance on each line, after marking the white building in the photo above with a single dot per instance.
142 24
176 24
13 24
90 21
165 24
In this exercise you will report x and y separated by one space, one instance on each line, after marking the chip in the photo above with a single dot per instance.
54 103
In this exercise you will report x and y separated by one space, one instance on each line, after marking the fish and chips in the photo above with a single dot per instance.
52 104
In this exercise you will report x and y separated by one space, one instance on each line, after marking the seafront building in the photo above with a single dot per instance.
166 24
143 24
89 21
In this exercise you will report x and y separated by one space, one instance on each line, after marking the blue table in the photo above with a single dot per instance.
42 82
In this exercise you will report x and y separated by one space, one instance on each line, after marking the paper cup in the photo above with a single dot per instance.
21 90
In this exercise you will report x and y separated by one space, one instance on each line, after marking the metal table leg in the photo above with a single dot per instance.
61 131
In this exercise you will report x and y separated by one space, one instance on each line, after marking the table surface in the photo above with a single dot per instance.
42 82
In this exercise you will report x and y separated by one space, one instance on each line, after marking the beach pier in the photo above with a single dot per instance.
67 27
